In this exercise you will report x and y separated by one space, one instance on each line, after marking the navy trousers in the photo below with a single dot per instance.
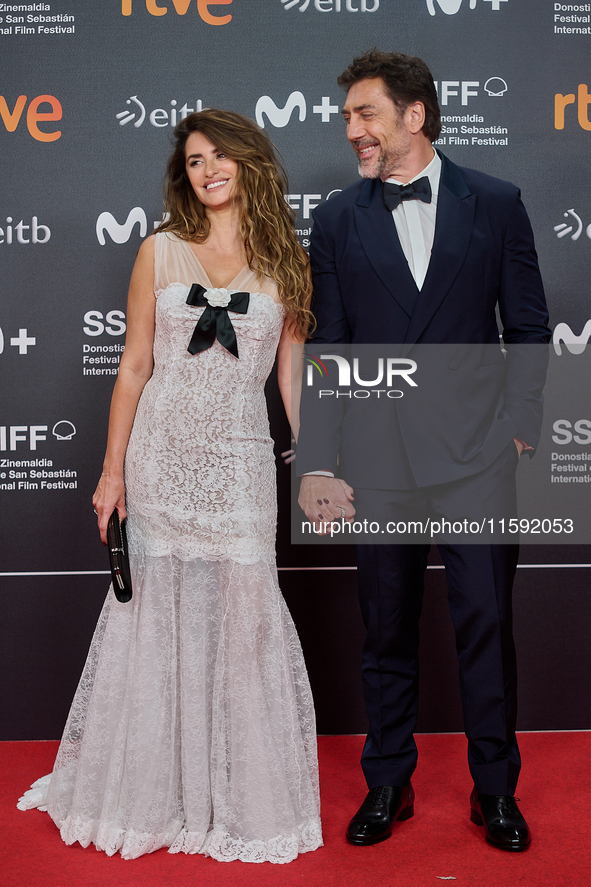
480 580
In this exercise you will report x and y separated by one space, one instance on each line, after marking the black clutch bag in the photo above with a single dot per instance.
119 557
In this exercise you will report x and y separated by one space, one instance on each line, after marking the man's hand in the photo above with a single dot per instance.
325 499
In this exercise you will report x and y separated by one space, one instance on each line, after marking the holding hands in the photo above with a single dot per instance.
326 499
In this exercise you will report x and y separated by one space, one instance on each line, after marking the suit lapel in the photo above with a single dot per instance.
377 233
453 230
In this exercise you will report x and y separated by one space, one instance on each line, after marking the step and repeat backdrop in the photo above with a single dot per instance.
89 95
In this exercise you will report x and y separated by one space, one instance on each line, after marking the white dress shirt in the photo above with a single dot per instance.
415 223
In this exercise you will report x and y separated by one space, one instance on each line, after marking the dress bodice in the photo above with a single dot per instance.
199 464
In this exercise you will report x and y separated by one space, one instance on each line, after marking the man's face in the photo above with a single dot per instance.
376 129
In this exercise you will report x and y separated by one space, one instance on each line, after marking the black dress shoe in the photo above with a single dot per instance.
504 826
382 807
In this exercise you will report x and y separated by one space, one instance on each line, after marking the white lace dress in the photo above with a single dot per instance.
193 726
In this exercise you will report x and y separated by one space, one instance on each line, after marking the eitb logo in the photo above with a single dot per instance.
332 5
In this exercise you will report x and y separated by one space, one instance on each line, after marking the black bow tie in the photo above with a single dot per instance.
395 194
214 322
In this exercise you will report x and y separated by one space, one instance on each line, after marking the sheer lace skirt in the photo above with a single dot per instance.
193 726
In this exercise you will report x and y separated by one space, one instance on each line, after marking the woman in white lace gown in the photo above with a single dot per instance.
193 725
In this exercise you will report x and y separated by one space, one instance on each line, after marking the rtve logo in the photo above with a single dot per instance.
181 7
582 100
34 116
450 7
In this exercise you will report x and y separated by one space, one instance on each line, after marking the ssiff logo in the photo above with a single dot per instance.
12 435
181 7
450 7
495 87
64 430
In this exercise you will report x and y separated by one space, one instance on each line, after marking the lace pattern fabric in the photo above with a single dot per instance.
193 725
208 445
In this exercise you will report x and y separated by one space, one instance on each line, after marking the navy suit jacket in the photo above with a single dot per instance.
483 265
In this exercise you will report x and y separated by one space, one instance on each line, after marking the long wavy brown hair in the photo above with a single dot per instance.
266 221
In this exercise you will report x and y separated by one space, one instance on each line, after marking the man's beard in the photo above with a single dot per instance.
388 160
378 168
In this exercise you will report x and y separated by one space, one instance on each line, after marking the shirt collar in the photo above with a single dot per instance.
432 171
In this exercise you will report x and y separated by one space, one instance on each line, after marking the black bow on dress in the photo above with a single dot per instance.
419 190
214 322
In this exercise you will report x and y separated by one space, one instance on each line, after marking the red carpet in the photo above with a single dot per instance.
438 844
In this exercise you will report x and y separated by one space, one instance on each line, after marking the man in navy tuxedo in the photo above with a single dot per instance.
423 252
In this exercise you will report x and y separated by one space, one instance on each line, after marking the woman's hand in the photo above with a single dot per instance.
324 500
289 374
288 456
134 371
109 494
